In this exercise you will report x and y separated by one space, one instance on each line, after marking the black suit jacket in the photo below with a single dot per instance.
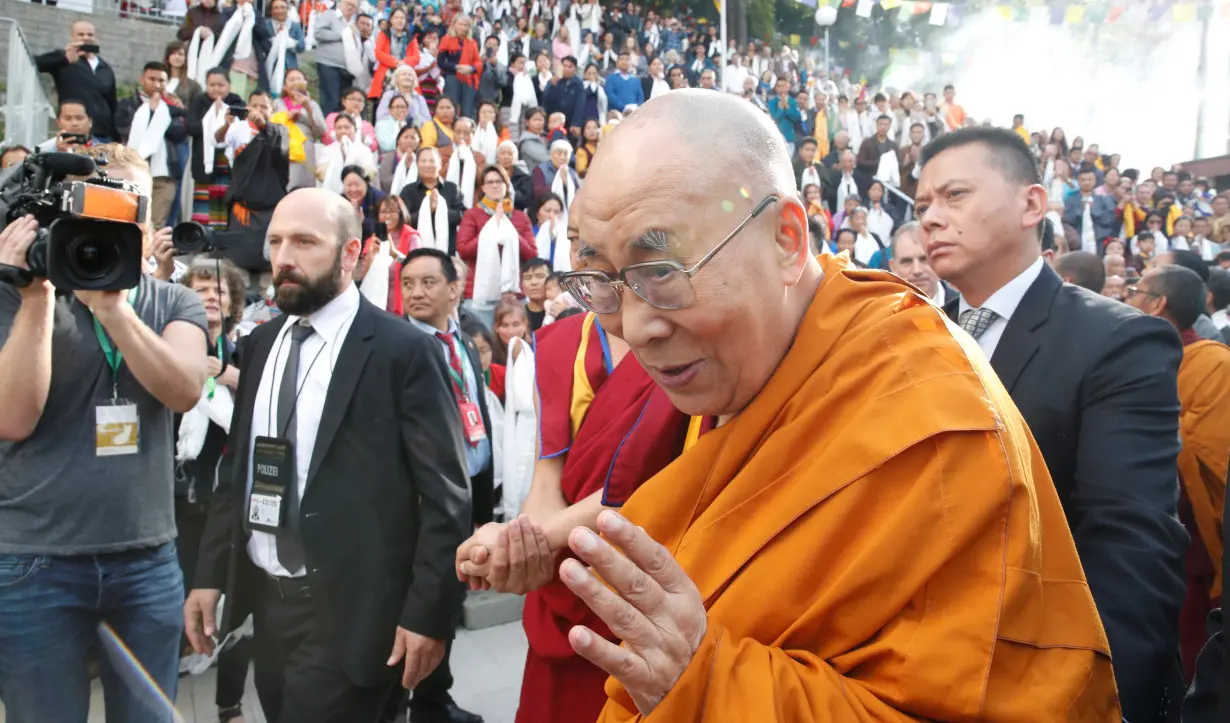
1096 383
386 503
413 194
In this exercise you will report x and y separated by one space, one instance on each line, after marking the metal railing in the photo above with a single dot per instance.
898 199
27 109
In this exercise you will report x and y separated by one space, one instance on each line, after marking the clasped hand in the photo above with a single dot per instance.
511 557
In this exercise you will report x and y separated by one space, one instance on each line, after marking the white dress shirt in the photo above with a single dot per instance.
317 357
1003 302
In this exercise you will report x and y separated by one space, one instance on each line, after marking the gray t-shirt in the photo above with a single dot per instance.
57 497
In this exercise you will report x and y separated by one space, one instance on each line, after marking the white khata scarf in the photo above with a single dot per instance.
461 173
561 259
810 176
342 153
523 97
275 64
486 141
519 428
194 425
350 48
214 119
147 135
237 31
200 54
375 284
498 267
433 228
407 172
563 187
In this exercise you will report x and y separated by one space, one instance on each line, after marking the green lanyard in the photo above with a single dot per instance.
115 357
211 384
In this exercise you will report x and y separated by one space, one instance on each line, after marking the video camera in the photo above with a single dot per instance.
90 234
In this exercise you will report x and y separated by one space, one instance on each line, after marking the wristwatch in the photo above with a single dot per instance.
14 276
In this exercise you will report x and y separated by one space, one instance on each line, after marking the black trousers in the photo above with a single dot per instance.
299 678
232 662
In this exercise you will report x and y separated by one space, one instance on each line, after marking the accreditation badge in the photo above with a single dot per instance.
116 428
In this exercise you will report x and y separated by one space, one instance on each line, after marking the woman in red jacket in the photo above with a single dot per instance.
461 65
395 46
493 239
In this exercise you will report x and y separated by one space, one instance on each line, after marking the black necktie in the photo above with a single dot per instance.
290 551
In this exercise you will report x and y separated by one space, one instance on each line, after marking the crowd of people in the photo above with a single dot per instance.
449 143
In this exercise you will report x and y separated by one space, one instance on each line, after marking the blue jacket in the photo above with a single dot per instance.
566 96
785 118
623 91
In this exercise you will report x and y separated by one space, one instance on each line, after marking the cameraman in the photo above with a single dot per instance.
259 152
87 524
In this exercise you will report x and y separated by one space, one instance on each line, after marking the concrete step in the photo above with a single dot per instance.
486 609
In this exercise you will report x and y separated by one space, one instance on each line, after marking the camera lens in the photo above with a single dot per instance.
191 237
91 260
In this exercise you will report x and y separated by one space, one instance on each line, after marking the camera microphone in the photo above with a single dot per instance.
58 165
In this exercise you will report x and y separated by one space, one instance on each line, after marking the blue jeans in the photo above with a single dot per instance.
51 615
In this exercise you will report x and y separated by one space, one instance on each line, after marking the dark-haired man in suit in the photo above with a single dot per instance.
339 504
429 286
1095 381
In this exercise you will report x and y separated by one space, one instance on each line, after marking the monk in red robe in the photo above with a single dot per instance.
604 428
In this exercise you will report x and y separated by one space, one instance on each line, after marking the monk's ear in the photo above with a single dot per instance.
793 246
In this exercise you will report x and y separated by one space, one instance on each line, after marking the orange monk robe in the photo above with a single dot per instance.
876 538
1204 426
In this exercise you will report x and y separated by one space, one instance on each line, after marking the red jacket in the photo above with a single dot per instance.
467 239
386 62
450 47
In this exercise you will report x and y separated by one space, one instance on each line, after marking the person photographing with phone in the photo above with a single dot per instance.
259 155
79 73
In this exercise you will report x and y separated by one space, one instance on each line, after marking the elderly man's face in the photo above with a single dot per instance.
710 357
910 263
1142 297
1113 288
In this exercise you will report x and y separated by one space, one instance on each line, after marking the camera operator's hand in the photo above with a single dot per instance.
72 52
199 611
103 304
15 243
164 254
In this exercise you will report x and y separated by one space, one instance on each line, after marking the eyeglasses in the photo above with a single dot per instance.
1134 290
664 284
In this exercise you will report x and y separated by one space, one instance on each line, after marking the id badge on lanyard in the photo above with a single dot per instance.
471 416
273 471
117 427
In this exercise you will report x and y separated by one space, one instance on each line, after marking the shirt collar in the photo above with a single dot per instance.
329 319
429 329
1004 301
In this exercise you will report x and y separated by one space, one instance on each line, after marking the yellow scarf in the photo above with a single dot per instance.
488 205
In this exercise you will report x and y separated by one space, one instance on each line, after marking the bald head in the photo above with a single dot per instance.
334 207
1083 269
701 125
698 175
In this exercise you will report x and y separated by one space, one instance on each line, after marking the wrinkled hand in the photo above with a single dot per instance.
522 560
72 52
199 624
206 32
556 306
164 253
422 655
474 556
651 605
